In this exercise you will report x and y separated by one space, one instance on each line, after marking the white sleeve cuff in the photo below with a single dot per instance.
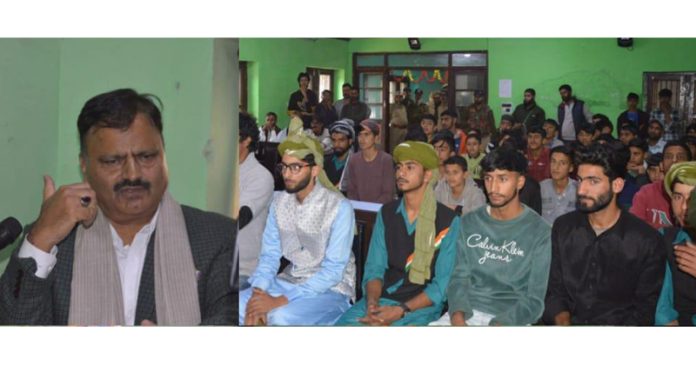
44 261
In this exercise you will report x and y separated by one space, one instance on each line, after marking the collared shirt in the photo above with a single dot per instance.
658 147
555 142
673 130
613 278
554 205
130 258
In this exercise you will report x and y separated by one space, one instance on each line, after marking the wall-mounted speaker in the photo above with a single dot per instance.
625 42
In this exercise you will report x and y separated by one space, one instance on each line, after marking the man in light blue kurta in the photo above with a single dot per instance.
311 225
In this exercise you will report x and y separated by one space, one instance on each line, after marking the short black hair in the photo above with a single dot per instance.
565 87
587 128
632 96
552 122
604 123
612 161
457 160
662 126
248 128
449 112
564 150
654 159
475 134
415 133
535 129
429 117
273 114
504 157
117 109
679 143
638 143
303 74
347 84
600 116
531 91
665 93
629 127
445 136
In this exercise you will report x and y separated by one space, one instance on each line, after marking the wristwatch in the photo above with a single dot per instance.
405 308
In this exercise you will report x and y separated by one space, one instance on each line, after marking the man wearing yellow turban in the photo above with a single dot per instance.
677 303
411 251
311 225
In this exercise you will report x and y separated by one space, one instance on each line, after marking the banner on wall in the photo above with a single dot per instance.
437 76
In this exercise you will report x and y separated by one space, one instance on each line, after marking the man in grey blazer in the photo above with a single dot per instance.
117 249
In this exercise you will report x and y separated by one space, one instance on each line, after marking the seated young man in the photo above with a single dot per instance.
503 253
311 225
558 192
459 192
443 142
551 128
585 135
411 250
627 133
677 303
636 172
319 131
607 265
537 155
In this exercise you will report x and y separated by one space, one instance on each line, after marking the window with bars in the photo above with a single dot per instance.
682 85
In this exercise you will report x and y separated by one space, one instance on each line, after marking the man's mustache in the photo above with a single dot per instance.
132 184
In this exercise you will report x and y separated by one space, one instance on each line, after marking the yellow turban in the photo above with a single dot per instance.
685 172
299 145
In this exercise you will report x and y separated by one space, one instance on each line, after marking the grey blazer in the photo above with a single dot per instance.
26 299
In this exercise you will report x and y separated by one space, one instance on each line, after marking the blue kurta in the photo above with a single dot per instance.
311 302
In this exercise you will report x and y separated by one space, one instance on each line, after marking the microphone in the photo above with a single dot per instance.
10 229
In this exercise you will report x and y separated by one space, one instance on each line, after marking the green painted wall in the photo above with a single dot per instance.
274 64
600 72
28 109
178 71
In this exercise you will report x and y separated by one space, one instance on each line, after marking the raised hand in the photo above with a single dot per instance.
61 210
